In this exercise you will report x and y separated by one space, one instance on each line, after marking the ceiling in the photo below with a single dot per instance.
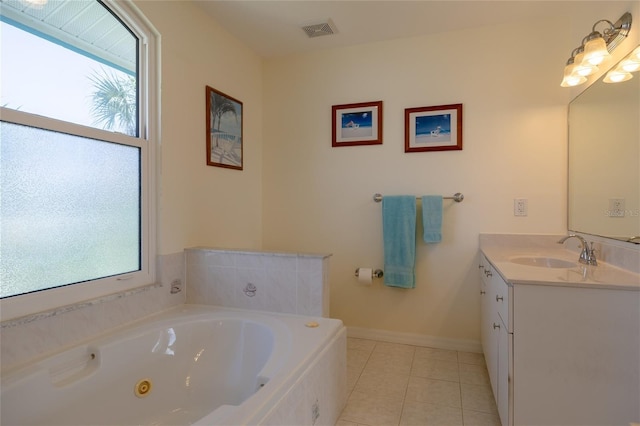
272 28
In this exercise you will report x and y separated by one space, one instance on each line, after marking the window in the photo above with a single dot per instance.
78 131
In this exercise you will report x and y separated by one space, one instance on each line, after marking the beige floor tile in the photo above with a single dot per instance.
389 362
352 379
394 348
435 369
346 423
392 386
422 414
433 353
474 374
356 359
371 410
477 418
471 358
432 391
478 398
360 344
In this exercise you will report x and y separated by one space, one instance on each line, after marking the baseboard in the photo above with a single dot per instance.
415 339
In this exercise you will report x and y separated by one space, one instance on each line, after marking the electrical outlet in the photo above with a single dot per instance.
520 207
616 207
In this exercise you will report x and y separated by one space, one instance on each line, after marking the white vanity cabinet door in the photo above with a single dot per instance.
497 340
505 343
501 295
577 356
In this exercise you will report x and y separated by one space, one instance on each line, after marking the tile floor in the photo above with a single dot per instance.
392 384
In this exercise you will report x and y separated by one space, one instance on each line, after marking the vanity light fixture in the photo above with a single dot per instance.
594 49
622 71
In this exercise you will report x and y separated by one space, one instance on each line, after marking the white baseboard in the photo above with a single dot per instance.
415 339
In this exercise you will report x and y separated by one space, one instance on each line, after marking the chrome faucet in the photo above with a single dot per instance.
587 255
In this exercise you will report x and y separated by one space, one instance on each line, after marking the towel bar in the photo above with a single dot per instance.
457 197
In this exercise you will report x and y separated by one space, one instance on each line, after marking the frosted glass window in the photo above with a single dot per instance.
70 209
78 130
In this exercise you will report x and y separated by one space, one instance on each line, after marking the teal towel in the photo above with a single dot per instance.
432 218
399 235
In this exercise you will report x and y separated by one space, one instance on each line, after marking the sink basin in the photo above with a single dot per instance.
542 262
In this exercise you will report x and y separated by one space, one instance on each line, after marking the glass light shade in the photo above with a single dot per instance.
570 78
617 76
582 67
595 51
629 65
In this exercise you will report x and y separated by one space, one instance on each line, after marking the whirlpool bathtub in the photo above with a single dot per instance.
198 365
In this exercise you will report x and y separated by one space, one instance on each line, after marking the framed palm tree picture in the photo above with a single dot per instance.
224 130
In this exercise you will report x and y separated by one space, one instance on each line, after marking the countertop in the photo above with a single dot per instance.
499 249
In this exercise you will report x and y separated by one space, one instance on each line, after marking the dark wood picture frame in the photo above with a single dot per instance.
224 130
433 128
356 124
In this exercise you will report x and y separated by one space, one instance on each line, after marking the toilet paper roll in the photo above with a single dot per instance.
365 276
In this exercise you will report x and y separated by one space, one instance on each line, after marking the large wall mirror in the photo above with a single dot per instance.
604 160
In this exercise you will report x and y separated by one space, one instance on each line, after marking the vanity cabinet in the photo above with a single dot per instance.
561 354
496 335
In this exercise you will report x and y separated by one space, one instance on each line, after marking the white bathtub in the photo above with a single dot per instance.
192 365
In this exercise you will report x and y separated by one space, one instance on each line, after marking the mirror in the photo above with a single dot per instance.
604 160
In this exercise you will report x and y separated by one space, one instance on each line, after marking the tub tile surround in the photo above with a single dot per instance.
317 398
291 283
29 337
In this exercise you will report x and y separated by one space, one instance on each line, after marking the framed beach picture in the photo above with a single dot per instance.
224 130
357 124
435 128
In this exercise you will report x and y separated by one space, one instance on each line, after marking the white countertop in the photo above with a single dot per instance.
499 249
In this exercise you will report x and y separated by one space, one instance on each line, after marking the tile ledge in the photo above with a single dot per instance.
70 308
260 252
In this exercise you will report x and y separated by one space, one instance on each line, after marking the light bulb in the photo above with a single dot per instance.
630 65
595 50
617 76
582 67
570 78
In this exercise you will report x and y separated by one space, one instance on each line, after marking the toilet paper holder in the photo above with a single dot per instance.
374 274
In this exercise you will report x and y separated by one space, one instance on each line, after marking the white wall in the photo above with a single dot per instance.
319 198
200 204
297 193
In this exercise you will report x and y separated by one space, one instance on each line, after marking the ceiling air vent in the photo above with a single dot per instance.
320 29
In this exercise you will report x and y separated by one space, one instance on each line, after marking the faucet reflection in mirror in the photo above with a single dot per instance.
594 49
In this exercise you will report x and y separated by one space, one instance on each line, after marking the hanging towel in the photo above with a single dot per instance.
432 218
399 235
